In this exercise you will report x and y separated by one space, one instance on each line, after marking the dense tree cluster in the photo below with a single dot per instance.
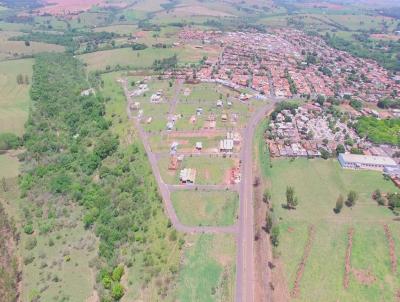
379 131
72 154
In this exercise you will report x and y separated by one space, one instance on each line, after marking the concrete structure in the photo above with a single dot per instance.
187 176
356 161
226 145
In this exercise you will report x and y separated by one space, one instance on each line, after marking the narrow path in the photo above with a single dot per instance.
203 187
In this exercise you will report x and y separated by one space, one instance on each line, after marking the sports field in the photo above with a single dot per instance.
321 237
14 100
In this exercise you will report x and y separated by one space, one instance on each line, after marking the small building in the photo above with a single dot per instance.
224 117
170 125
187 176
199 111
199 146
368 162
220 104
174 146
226 145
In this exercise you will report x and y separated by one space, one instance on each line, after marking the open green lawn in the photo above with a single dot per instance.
135 59
122 29
14 100
209 170
206 208
317 184
208 270
9 166
16 49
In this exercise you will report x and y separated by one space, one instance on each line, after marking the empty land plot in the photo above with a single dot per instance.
9 166
14 100
318 184
58 266
162 143
122 29
214 208
16 49
208 269
209 170
140 59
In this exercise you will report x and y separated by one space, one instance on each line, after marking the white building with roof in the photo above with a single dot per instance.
367 162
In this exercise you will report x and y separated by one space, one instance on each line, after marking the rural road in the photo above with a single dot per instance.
244 229
245 238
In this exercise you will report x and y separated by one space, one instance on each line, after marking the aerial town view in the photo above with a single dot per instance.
199 150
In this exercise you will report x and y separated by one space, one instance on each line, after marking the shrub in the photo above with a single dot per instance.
117 291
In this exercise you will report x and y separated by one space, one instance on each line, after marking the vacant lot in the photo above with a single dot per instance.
318 184
9 166
16 49
140 59
14 100
206 208
208 272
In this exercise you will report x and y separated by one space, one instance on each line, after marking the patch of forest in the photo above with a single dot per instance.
73 155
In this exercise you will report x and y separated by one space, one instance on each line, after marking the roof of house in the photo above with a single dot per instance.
367 159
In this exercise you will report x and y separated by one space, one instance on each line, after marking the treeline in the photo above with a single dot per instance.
72 154
385 53
70 39
9 275
167 63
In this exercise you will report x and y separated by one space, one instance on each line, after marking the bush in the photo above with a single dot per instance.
117 291
28 229
117 273
275 235
9 141
31 243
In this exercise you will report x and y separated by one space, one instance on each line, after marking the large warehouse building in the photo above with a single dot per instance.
356 161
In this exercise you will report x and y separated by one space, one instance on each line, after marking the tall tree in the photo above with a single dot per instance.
339 204
291 199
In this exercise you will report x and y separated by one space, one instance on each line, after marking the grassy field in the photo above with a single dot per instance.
122 29
318 184
16 49
14 101
136 59
208 270
9 166
210 171
206 208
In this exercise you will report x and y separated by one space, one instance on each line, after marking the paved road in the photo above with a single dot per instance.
245 237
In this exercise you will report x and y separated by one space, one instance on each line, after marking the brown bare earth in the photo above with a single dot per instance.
262 249
392 249
347 266
364 277
296 288
65 7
